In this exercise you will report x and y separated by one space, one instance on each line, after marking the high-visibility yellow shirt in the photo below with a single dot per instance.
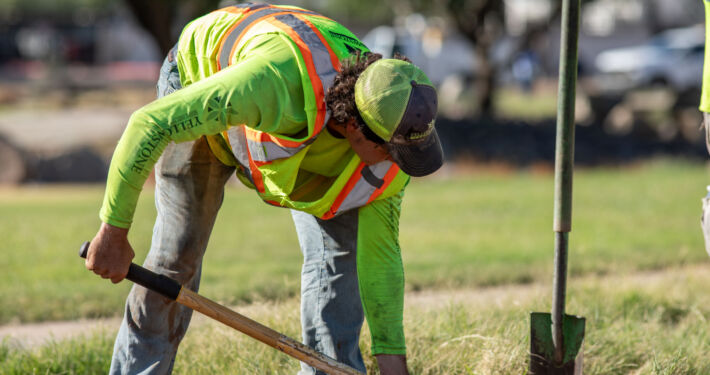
263 89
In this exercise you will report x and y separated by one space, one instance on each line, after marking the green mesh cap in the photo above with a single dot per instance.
398 103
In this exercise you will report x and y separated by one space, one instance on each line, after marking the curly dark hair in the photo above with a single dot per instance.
340 98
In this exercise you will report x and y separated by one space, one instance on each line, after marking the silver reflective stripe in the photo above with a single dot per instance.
321 58
260 151
237 139
380 169
363 189
268 151
254 13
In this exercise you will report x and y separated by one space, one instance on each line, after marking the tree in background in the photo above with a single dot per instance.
482 23
160 17
163 19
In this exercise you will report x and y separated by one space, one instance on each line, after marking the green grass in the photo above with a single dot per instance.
494 229
653 323
637 264
536 105
84 355
460 231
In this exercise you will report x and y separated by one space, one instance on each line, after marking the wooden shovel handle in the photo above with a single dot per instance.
171 289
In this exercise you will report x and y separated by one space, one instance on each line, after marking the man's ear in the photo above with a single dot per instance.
351 126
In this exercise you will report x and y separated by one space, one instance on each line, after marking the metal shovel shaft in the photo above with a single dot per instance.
559 294
564 164
556 338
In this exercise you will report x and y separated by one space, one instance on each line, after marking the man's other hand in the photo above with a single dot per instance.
391 364
110 254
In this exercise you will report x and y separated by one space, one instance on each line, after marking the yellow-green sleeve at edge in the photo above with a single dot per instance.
381 274
705 96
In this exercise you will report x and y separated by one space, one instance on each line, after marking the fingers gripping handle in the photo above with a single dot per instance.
146 278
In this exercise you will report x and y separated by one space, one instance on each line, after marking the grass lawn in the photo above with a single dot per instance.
457 233
647 323
460 231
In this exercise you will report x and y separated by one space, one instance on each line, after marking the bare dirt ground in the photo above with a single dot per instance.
53 120
31 335
58 130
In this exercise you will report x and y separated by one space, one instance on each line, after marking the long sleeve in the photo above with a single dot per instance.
381 274
258 92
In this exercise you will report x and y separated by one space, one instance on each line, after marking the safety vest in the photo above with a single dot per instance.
263 157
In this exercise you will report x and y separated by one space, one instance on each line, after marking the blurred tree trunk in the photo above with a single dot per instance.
481 21
653 19
159 17
156 17
540 29
15 163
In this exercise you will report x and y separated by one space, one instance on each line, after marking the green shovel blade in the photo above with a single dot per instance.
542 348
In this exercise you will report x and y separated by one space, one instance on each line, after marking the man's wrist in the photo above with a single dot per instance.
112 220
112 230
392 364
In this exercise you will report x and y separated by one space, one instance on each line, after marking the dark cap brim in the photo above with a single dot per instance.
418 159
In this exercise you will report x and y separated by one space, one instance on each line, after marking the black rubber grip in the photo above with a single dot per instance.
158 283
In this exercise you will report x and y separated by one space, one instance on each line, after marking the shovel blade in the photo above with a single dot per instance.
542 348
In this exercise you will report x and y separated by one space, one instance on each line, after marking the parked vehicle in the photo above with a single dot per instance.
672 59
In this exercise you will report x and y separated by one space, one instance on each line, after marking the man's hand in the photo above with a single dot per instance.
391 364
110 254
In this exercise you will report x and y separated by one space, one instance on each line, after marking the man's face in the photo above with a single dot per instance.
369 152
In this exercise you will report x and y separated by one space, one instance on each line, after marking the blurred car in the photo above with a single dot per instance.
438 51
671 59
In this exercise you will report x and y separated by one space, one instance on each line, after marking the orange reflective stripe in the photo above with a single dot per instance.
228 34
354 178
287 20
256 175
258 148
360 182
281 142
260 136
389 177
252 14
233 44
